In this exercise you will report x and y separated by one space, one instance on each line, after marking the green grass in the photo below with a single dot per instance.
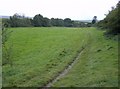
38 55
98 65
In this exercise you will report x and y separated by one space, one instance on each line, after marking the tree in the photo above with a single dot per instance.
38 20
112 21
57 22
52 21
46 22
94 20
68 22
13 21
19 21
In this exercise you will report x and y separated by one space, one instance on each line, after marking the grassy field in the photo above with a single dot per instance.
39 54
97 67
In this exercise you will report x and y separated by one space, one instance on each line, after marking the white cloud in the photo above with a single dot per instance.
74 9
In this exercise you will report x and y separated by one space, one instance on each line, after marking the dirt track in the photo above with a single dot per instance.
65 71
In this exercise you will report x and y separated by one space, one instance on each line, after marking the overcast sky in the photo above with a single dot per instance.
74 9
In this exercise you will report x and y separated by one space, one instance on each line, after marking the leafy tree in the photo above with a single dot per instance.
57 22
38 20
19 21
112 21
53 22
94 20
46 22
68 22
13 21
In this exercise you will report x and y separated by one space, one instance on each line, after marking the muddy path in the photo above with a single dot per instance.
65 71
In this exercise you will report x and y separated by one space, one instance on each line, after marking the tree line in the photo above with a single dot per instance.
39 21
111 22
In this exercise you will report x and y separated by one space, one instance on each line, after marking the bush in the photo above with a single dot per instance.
112 21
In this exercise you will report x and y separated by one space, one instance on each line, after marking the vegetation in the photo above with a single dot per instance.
6 50
46 47
97 66
112 21
0 54
41 53
39 21
94 20
19 21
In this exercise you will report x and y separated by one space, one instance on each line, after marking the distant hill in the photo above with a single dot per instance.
85 21
88 21
6 17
